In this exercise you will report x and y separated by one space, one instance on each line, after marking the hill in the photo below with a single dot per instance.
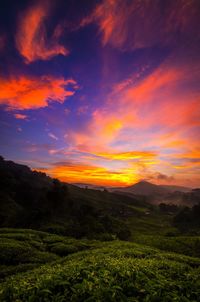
147 188
156 194
30 199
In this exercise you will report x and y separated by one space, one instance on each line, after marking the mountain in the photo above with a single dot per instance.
146 188
156 194
141 188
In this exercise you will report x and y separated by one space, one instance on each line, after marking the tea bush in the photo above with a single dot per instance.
117 271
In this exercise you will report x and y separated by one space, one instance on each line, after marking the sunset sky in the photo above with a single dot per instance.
103 92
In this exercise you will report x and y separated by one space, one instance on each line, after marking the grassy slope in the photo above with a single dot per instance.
93 270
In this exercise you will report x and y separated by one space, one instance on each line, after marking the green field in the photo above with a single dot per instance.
37 266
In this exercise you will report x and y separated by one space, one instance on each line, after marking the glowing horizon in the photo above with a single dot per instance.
106 94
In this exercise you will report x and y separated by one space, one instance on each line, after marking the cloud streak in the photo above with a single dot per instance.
53 136
131 155
31 37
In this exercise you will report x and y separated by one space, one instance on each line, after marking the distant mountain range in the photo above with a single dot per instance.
141 188
155 194
147 188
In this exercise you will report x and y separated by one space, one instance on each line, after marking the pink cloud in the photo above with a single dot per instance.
31 38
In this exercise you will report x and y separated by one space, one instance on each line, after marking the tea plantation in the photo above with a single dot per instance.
37 266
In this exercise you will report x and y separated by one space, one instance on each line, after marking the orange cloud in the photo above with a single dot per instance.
20 116
101 129
132 155
31 37
108 126
191 155
157 83
32 93
91 174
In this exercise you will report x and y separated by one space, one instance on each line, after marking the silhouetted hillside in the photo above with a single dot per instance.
33 200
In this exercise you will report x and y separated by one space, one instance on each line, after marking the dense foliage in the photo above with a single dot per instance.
114 271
